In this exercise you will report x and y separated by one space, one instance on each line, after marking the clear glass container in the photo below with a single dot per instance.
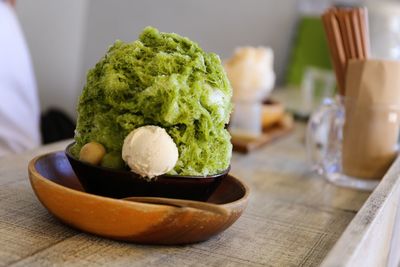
354 149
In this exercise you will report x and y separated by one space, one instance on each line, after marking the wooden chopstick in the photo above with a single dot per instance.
340 16
340 48
350 34
335 43
364 29
357 34
347 34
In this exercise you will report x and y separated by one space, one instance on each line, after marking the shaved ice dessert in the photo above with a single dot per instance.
163 80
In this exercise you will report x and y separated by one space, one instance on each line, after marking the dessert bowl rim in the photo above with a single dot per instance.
171 176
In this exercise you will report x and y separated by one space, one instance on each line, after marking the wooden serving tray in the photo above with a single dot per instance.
245 144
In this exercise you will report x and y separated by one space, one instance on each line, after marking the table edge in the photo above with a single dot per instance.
371 237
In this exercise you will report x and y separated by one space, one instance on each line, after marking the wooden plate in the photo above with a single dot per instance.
59 190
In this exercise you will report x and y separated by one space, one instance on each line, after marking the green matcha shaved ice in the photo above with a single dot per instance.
161 79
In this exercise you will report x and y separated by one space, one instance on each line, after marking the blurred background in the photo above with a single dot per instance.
66 38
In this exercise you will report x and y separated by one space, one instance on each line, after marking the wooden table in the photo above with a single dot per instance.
294 218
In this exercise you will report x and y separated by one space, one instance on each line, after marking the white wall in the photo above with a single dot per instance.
68 37
54 31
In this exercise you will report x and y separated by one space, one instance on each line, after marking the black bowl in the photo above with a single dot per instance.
120 183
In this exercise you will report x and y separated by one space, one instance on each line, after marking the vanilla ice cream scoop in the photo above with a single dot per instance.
149 151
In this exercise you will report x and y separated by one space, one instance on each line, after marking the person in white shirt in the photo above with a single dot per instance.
19 105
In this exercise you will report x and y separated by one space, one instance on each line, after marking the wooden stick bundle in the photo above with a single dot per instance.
347 34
